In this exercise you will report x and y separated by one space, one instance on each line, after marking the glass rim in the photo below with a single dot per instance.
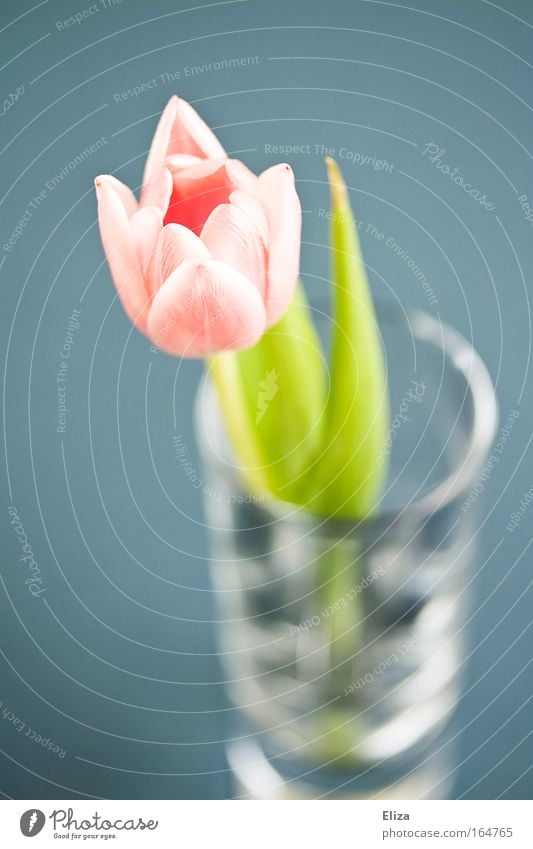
467 362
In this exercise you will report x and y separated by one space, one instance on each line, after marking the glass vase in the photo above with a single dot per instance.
342 642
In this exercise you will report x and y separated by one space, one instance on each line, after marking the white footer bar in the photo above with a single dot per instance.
267 824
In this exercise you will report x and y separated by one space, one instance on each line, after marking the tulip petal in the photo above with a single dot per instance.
233 238
194 168
174 245
199 189
199 138
180 130
203 308
157 191
284 214
129 201
182 160
160 142
120 251
145 227
253 209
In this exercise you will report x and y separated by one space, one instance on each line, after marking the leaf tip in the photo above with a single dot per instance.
337 186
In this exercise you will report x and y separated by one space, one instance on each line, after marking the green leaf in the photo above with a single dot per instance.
272 398
349 477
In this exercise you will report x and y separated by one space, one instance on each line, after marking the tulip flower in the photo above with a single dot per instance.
206 265
208 259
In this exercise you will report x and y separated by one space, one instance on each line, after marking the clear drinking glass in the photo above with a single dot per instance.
342 641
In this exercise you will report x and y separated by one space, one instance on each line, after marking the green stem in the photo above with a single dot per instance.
272 398
226 375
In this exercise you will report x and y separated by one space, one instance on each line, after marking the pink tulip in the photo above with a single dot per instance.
208 259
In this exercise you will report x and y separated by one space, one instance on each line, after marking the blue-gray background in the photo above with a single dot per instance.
116 662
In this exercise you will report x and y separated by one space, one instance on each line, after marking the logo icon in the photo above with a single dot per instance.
32 822
268 389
